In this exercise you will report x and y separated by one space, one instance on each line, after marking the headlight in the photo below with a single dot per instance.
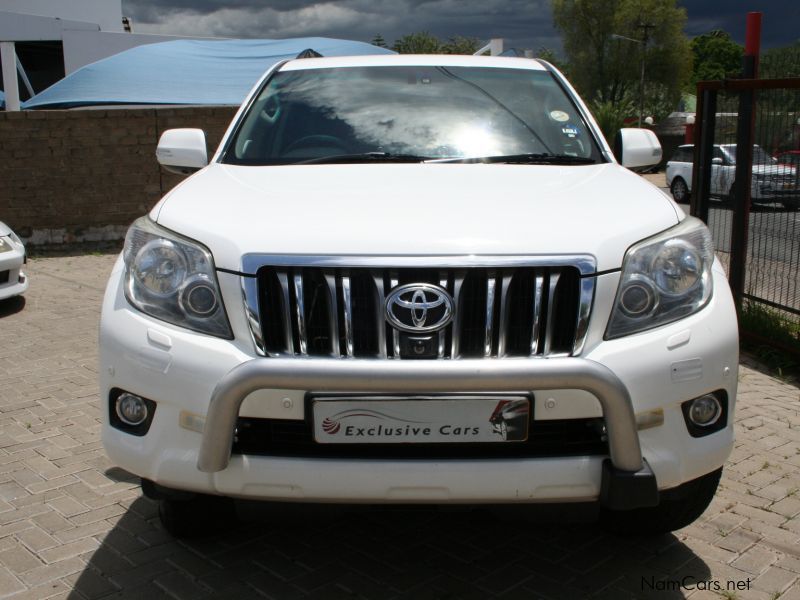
664 278
172 278
5 245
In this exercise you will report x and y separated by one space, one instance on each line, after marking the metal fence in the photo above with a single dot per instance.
746 187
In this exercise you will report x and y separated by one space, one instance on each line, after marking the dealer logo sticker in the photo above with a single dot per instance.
413 420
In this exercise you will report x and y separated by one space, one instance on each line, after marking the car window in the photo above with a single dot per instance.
683 155
426 111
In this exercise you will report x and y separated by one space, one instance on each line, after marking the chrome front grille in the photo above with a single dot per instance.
514 307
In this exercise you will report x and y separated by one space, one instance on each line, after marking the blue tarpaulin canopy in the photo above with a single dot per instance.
184 72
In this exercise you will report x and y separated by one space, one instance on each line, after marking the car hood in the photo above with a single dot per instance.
417 209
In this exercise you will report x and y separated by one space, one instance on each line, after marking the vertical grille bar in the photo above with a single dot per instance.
491 285
380 322
584 310
551 310
505 298
300 313
253 313
443 280
458 283
283 279
538 290
348 315
393 281
333 313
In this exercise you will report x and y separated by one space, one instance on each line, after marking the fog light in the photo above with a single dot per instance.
131 409
705 410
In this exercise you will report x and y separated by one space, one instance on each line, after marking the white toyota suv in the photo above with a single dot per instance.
418 279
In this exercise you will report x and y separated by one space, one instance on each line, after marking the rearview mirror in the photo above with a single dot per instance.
182 151
637 148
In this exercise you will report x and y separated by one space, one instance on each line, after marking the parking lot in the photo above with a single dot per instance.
74 526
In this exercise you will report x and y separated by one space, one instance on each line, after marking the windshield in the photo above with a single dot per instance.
759 156
411 112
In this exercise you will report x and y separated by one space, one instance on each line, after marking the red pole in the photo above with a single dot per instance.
752 39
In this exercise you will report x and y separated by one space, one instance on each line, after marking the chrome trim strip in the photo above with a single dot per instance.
333 313
585 263
458 282
252 313
442 332
551 294
584 312
538 290
380 294
348 316
412 376
283 279
393 281
491 284
299 302
505 299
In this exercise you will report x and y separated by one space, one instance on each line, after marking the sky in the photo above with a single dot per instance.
522 23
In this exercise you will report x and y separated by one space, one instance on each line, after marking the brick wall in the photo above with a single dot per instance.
80 176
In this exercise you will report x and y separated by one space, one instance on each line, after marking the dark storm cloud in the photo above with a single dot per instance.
780 21
523 23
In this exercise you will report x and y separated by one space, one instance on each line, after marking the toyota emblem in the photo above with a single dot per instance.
419 307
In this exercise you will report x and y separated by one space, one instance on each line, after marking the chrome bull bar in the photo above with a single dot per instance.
407 376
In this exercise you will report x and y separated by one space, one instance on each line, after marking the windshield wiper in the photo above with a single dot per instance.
364 157
526 159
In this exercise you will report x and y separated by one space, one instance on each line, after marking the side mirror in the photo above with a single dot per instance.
637 148
182 151
716 161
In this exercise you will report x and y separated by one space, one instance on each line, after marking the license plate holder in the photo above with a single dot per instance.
420 419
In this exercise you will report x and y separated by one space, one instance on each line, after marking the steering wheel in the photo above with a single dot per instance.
316 140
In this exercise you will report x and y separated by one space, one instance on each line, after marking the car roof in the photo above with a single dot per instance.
412 60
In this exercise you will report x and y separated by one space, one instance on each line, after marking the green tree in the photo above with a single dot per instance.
550 56
607 69
716 56
460 45
379 41
418 43
781 62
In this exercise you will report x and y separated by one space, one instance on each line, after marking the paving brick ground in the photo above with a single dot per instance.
74 526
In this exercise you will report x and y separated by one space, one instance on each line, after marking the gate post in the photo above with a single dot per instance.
744 161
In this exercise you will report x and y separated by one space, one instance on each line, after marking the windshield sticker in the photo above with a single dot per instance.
571 131
559 115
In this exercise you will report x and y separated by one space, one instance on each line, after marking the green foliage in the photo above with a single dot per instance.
610 117
379 41
605 69
550 56
780 62
716 56
772 324
424 42
418 43
460 45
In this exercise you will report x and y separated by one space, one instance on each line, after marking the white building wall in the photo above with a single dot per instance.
106 13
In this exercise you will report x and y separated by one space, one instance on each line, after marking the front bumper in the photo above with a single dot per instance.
209 377
13 281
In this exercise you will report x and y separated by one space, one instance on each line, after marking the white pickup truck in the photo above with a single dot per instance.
419 279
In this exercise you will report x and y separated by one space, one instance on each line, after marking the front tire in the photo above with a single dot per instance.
677 508
680 191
